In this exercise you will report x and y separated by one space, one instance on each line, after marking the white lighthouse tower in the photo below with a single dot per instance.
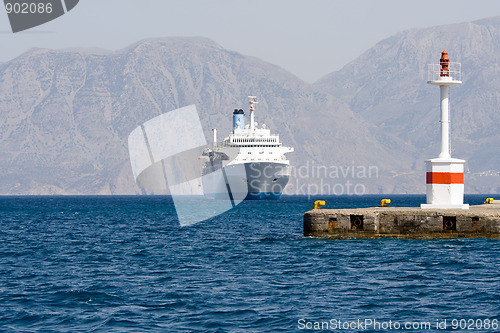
444 174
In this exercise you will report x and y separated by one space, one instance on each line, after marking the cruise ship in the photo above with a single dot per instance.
249 164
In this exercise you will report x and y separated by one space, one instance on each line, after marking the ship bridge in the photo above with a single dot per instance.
256 138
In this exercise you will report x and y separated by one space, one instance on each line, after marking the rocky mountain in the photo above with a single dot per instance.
67 114
387 87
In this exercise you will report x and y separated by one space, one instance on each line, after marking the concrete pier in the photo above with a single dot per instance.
402 222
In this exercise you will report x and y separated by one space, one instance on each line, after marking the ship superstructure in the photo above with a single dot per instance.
251 158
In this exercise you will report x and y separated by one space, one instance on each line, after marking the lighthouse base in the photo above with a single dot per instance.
434 206
445 184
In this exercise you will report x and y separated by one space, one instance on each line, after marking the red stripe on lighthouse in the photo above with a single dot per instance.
445 178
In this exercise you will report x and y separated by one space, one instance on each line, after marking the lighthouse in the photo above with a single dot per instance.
444 174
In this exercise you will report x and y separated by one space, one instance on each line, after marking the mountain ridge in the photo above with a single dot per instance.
395 70
68 112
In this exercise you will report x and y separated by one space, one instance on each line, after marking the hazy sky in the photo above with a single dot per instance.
309 38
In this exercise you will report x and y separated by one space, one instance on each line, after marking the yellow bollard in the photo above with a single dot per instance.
385 202
489 201
318 204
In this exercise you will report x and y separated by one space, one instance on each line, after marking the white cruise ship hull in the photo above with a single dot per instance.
247 181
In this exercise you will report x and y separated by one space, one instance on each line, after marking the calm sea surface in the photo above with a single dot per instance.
123 264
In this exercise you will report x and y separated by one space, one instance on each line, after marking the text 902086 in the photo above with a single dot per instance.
28 8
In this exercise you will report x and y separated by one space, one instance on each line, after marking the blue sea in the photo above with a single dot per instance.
123 264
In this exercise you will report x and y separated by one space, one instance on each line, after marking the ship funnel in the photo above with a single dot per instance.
238 119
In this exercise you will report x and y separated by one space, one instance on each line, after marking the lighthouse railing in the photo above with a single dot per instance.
454 73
